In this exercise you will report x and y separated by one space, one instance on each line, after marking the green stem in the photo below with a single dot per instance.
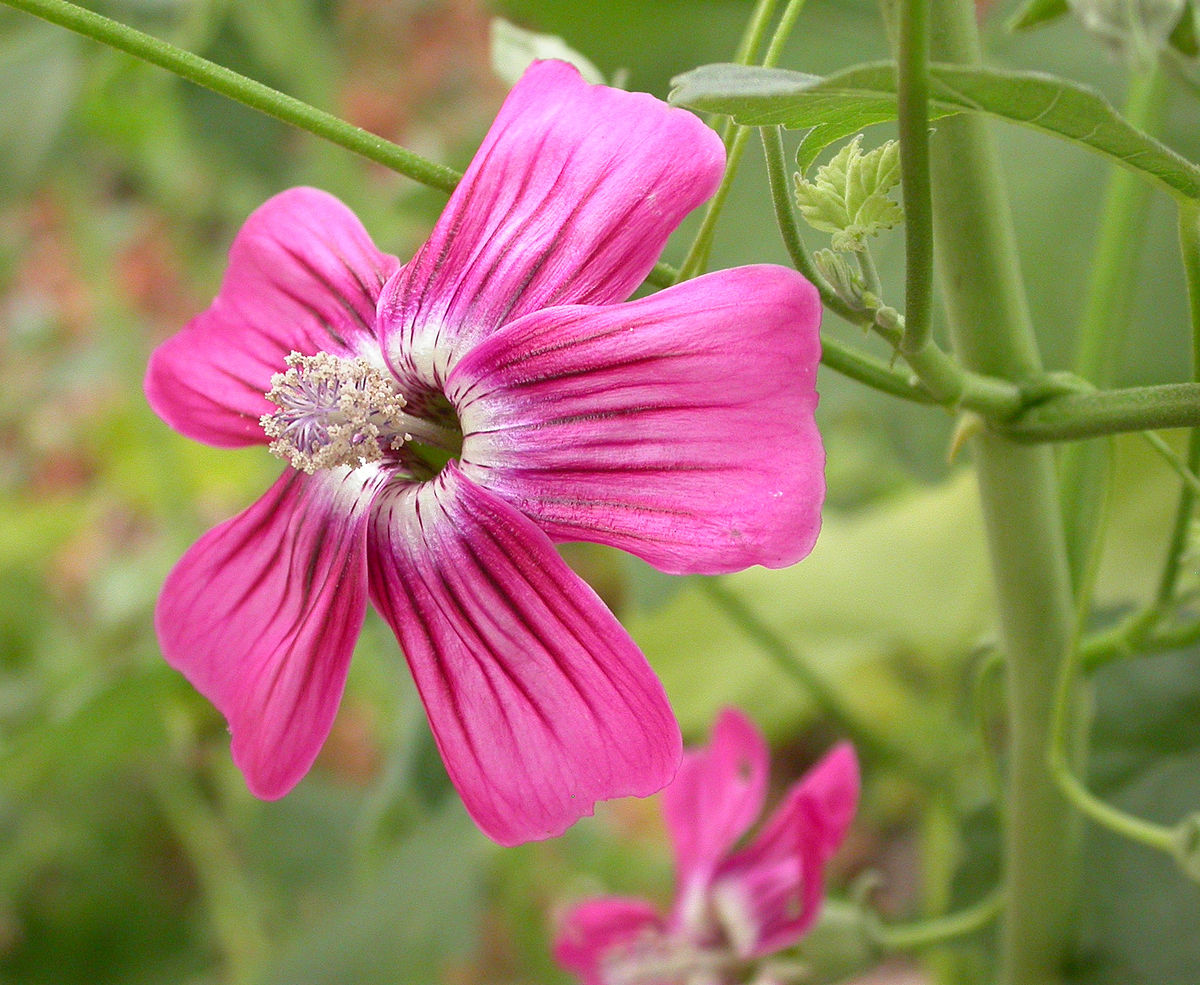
1088 415
783 31
1189 245
866 738
912 104
697 256
942 376
1180 466
834 354
1144 832
662 275
870 273
935 931
737 136
755 32
990 325
241 89
996 398
875 374
1083 468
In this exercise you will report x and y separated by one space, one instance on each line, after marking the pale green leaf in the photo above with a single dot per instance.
513 48
866 94
849 196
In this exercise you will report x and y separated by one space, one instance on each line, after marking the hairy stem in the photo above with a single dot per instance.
990 325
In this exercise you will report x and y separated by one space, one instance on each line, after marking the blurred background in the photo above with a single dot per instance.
130 851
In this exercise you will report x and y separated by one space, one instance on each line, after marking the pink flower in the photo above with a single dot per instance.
732 907
446 420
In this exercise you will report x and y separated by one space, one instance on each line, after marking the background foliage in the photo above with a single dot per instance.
131 851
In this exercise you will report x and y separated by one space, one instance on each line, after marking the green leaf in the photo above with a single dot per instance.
849 197
1037 12
758 96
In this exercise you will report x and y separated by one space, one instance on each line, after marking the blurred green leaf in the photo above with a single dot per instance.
418 915
1140 912
513 48
758 96
40 75
275 30
1184 38
103 734
1035 12
890 598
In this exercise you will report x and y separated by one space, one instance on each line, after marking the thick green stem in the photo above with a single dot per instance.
1189 245
238 87
1087 415
991 329
1083 468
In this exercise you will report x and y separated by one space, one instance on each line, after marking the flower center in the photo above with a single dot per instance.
657 959
335 410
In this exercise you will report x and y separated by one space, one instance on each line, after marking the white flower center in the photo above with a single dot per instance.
336 411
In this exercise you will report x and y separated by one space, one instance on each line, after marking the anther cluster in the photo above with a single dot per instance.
334 411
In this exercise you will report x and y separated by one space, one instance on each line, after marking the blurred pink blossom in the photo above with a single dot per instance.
733 907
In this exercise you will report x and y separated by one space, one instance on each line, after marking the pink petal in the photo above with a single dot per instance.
261 615
540 702
777 882
569 199
678 427
303 276
715 797
597 929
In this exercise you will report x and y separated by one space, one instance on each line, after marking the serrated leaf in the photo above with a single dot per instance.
1037 12
849 197
757 96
